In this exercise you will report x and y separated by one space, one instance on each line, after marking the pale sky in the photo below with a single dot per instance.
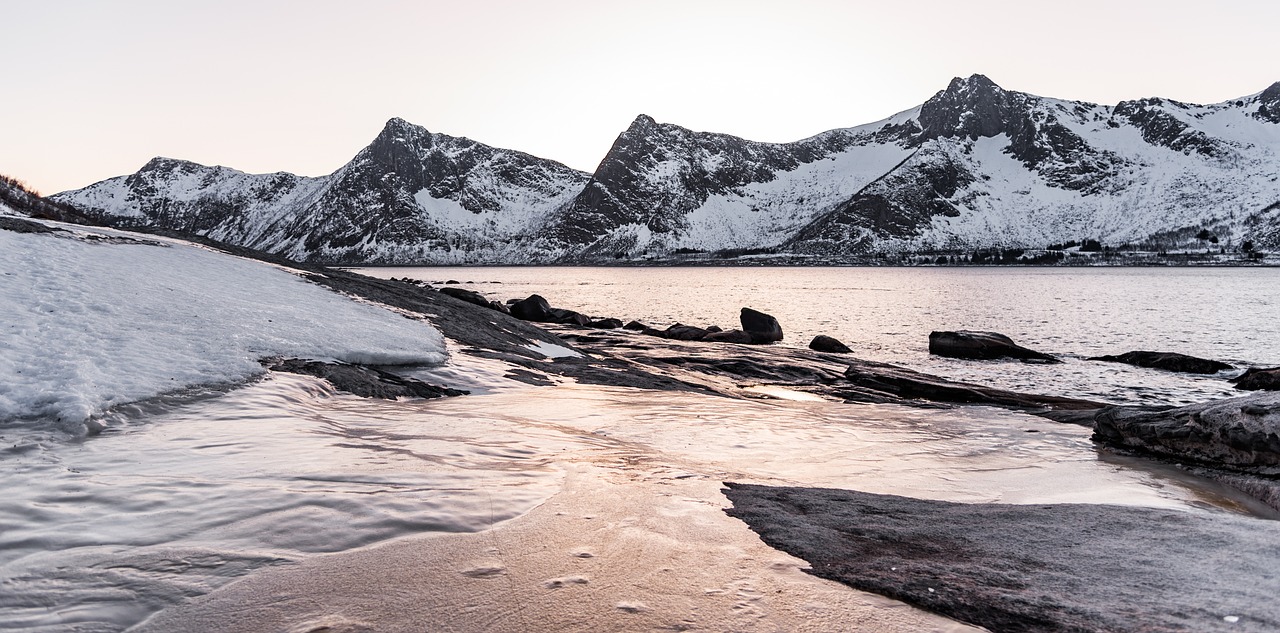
93 90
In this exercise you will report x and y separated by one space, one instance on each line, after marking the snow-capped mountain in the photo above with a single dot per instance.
975 166
410 196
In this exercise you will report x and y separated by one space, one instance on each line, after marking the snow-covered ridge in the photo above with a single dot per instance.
93 323
975 166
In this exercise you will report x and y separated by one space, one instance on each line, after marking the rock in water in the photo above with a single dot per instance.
535 308
824 343
1169 361
762 327
635 326
982 346
1239 432
607 324
679 332
1255 379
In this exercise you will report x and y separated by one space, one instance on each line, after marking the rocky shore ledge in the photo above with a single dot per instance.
1010 568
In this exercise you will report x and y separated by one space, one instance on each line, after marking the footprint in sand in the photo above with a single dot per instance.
560 583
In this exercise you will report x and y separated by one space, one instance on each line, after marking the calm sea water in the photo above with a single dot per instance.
886 314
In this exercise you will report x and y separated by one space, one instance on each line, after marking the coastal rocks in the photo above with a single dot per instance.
881 379
606 324
635 326
1255 379
470 296
824 343
762 327
363 381
982 346
1168 361
535 308
728 336
1035 567
1241 433
679 332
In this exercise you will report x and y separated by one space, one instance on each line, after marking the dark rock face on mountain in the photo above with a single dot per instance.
982 346
975 166
1168 361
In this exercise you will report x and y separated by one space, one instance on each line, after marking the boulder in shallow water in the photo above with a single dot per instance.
1256 378
635 326
728 336
606 324
535 308
762 327
1168 361
1243 433
569 317
824 343
982 346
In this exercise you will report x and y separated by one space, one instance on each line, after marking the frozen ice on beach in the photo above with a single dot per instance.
89 324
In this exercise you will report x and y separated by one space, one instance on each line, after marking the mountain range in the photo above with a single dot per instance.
973 167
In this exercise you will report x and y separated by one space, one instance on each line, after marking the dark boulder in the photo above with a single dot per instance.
500 307
824 343
1256 379
535 308
649 331
713 328
569 317
635 326
363 381
679 332
982 346
728 336
606 324
452 282
470 296
762 327
1168 361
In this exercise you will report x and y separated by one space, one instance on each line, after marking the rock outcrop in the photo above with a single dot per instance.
824 343
762 327
1256 379
982 346
1168 361
366 382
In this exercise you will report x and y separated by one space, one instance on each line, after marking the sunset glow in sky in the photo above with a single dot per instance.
95 89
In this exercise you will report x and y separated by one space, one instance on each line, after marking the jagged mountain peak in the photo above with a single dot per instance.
1269 104
166 164
973 83
970 107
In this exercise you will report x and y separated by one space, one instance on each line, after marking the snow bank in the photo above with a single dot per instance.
89 324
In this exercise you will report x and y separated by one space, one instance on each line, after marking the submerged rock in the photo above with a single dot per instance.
905 383
606 324
762 327
824 343
982 346
1068 567
363 381
635 326
1255 379
1241 433
1169 361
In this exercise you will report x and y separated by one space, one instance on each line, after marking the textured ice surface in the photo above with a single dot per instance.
91 324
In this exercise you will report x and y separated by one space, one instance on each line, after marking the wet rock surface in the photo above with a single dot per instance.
1239 432
824 343
1168 361
1030 567
762 327
976 345
363 381
1255 379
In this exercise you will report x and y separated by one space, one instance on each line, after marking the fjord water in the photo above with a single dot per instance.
886 314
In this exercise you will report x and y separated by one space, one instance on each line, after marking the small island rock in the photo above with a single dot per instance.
824 343
762 327
982 346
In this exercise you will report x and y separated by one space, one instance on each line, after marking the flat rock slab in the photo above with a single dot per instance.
1168 361
366 382
1031 567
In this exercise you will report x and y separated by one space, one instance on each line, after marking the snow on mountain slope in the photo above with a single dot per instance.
975 166
411 195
